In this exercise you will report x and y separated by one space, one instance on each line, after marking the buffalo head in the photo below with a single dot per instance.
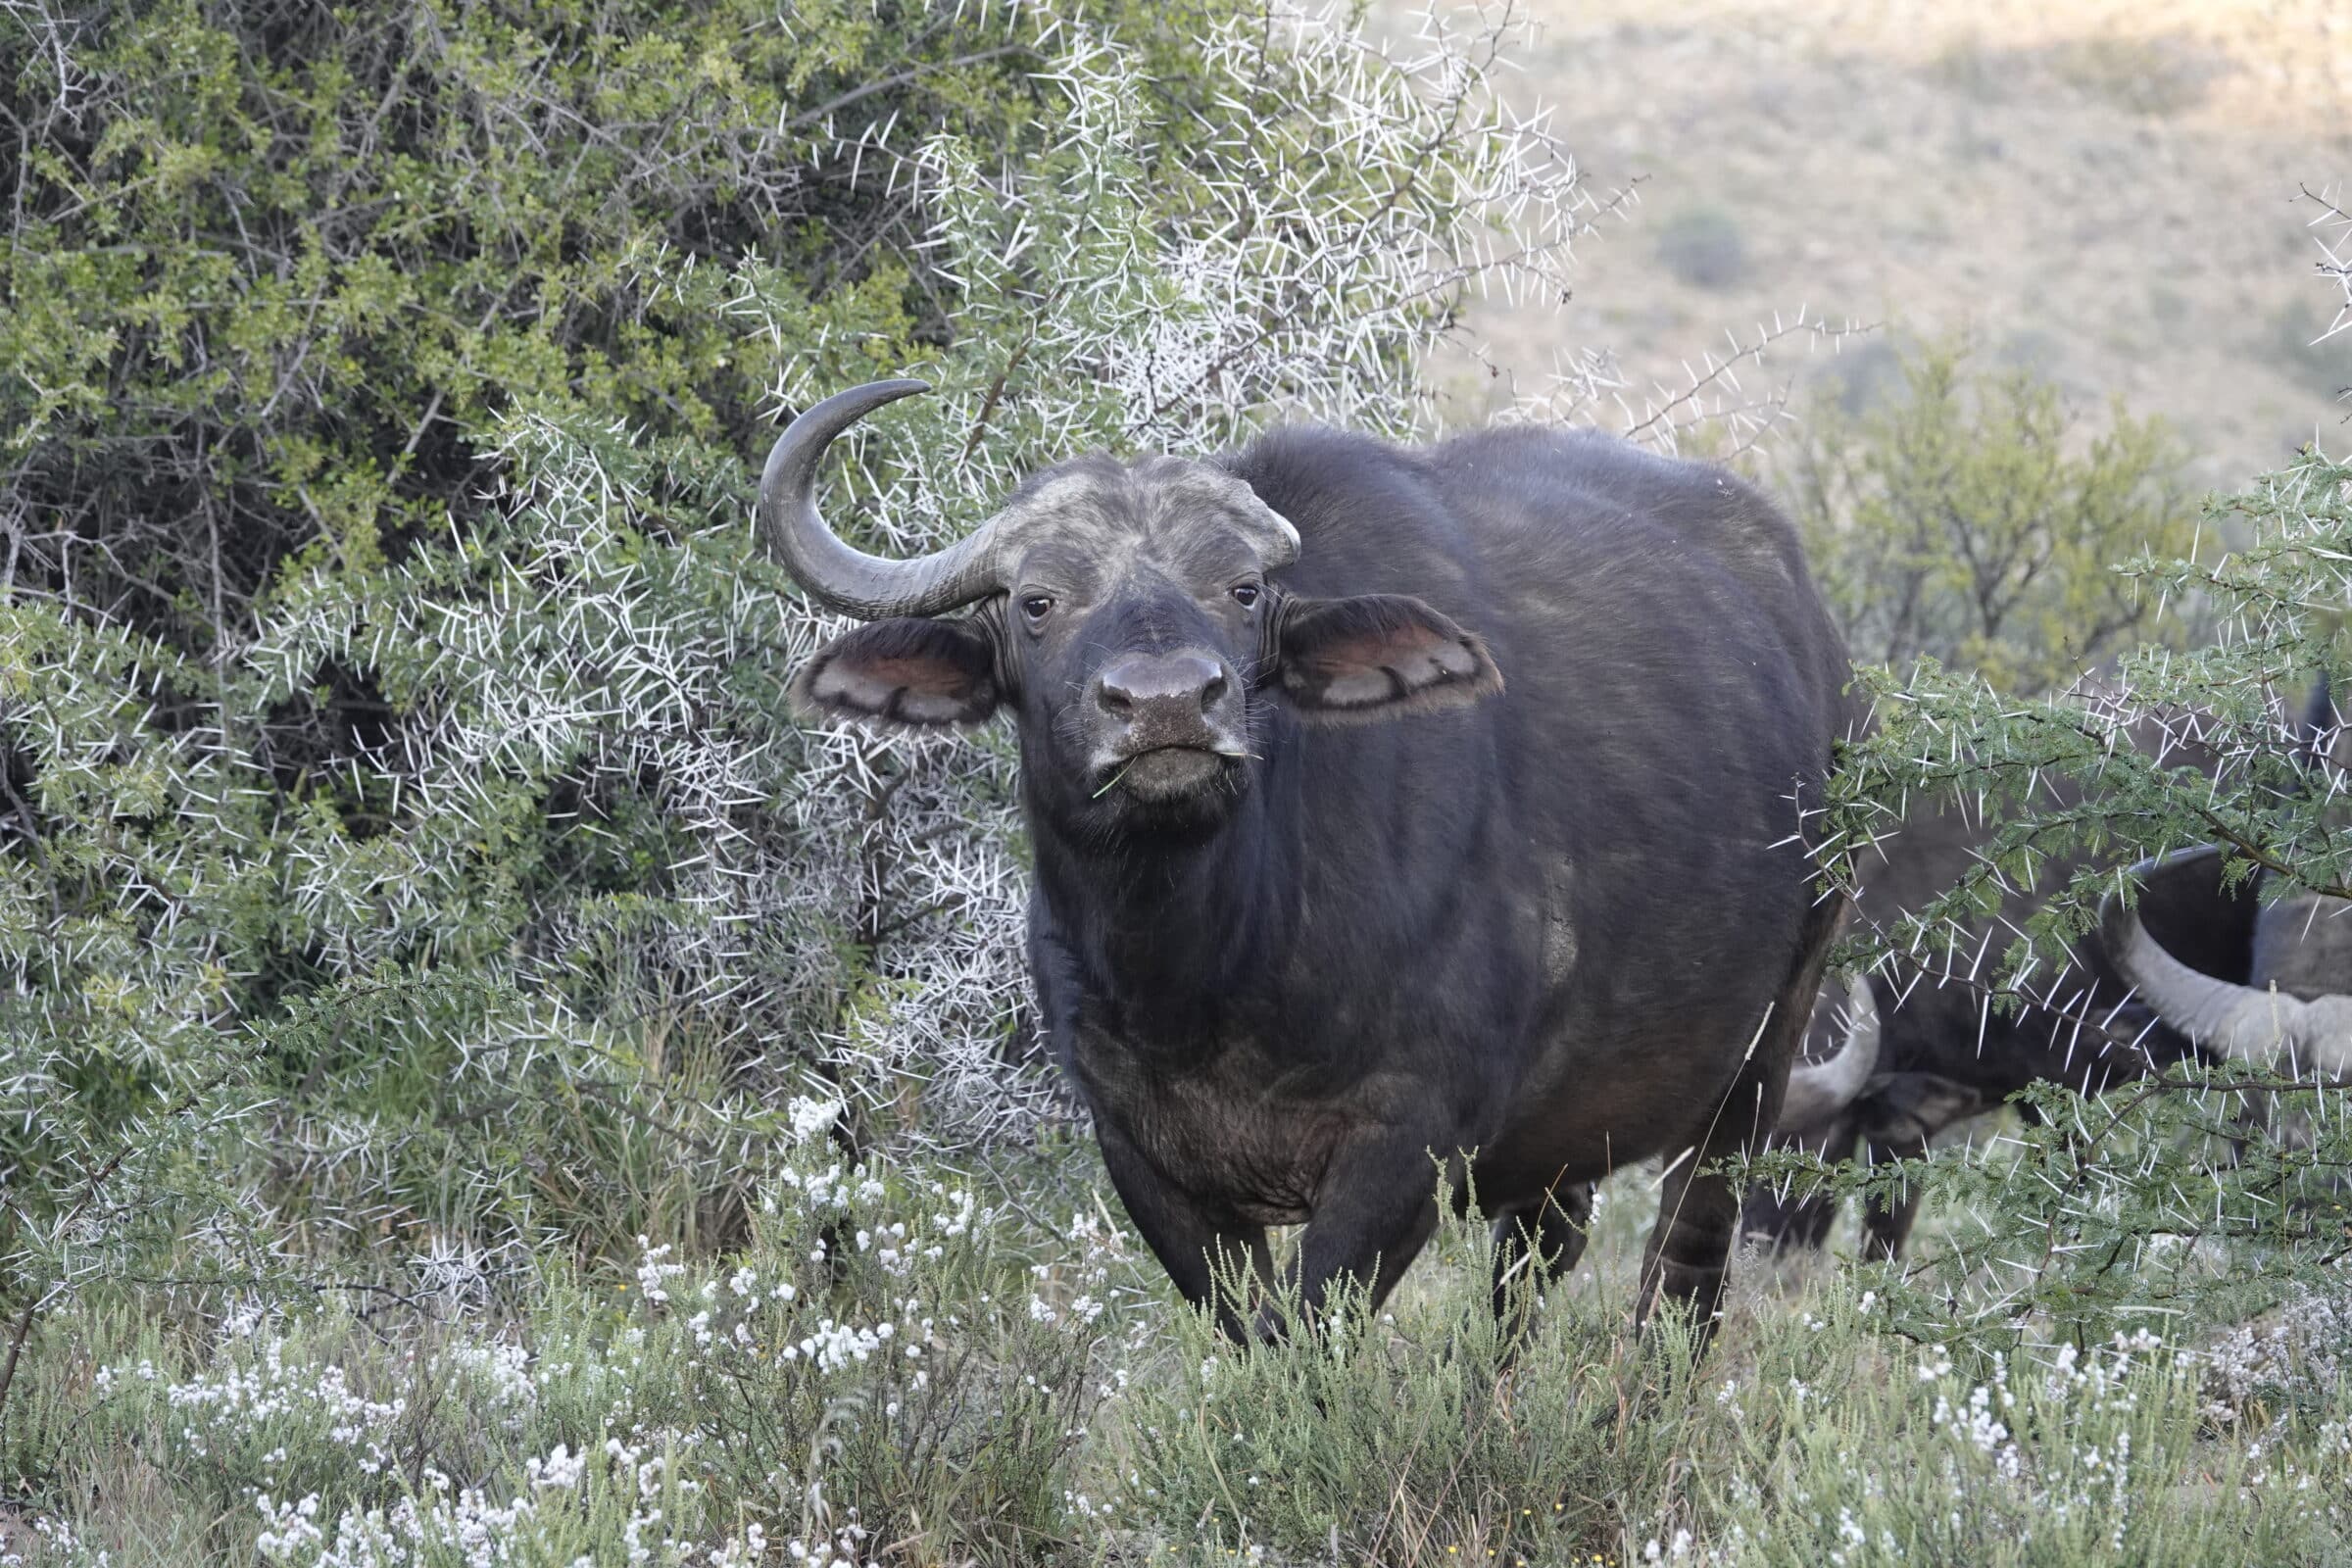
1126 613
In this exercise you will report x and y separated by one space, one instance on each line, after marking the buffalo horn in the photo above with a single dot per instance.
2264 1028
1820 1090
837 575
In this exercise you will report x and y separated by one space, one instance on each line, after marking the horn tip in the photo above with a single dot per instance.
873 394
799 446
897 386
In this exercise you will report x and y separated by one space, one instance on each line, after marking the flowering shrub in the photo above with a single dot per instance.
618 1504
896 1369
880 1361
2065 1456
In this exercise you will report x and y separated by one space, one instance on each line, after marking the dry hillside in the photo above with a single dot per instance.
2104 189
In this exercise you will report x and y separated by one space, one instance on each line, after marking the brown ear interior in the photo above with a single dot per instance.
1378 657
906 671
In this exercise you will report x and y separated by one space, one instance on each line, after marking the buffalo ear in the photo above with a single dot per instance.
904 671
1377 656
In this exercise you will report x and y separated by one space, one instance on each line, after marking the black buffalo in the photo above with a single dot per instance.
2195 965
1943 1053
1386 803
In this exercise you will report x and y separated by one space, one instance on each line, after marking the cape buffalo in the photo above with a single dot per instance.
2194 965
1385 804
1943 1053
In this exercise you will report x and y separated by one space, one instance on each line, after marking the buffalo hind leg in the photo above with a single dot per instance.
1547 1236
1698 1209
1690 1247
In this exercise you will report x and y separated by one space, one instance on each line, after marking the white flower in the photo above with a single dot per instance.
809 1118
654 1270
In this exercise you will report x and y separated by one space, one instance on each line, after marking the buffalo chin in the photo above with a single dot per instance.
1169 774
1170 796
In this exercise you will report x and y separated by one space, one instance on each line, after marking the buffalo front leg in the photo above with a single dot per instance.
1691 1246
1196 1243
1373 1211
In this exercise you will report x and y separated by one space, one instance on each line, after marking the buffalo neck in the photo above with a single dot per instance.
1182 929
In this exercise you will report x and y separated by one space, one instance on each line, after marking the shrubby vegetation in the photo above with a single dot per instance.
2099 673
2210 1192
383 848
1701 247
932 1400
1970 519
482 1087
872 1364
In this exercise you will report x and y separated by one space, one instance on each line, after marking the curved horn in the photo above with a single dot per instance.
837 575
2264 1028
1819 1090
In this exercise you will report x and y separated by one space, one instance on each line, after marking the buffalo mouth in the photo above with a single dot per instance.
1167 772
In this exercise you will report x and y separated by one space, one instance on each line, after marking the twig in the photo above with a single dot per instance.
899 80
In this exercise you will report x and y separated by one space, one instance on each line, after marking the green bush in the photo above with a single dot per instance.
1862 1449
1970 521
698 1412
284 284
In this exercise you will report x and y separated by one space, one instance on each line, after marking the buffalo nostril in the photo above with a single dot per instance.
1154 690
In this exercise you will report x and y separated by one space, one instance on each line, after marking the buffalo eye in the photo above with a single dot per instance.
1245 595
1035 606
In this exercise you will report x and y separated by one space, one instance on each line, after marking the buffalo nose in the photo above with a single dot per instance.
1135 684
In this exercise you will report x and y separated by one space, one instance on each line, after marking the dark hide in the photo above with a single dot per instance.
1553 910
